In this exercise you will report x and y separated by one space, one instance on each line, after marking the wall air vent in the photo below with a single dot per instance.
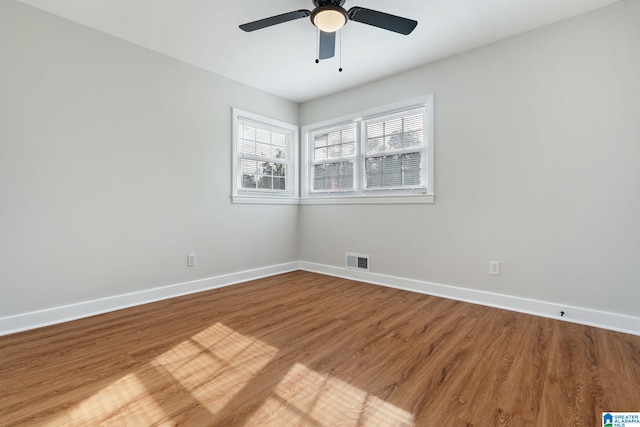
357 261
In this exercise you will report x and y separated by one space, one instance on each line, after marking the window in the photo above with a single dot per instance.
333 159
380 156
264 153
393 151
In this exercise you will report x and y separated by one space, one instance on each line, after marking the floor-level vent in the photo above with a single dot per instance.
357 262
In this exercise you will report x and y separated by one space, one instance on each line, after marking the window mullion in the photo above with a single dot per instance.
361 137
263 159
416 149
334 160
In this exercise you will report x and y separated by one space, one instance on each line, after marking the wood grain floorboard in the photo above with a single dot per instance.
303 349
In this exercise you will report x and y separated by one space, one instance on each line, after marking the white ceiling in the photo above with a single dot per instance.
281 59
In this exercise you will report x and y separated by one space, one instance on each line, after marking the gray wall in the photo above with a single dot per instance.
537 142
115 162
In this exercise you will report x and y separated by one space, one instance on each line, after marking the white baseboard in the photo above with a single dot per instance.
584 316
51 316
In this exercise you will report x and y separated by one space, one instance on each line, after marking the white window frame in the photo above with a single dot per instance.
361 195
265 196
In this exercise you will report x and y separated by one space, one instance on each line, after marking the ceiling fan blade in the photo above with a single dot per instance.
327 45
382 20
274 20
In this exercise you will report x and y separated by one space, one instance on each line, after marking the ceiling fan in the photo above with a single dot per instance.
329 16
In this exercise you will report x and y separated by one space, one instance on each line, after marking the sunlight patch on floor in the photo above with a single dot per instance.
211 369
214 365
310 398
124 402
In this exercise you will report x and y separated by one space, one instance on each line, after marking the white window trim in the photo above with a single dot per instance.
367 196
243 195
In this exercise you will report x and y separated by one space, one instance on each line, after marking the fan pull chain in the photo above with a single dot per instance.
317 46
340 47
339 35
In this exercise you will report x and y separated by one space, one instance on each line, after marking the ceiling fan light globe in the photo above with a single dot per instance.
329 18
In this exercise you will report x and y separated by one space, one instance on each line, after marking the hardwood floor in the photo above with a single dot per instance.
312 350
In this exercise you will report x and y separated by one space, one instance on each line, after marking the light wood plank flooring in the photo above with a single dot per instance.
303 349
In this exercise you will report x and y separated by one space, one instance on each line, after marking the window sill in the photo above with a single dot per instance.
263 200
369 200
344 200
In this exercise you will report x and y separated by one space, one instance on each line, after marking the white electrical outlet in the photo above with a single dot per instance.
494 267
191 260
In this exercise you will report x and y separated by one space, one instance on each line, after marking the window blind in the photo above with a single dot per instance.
333 159
263 156
394 147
